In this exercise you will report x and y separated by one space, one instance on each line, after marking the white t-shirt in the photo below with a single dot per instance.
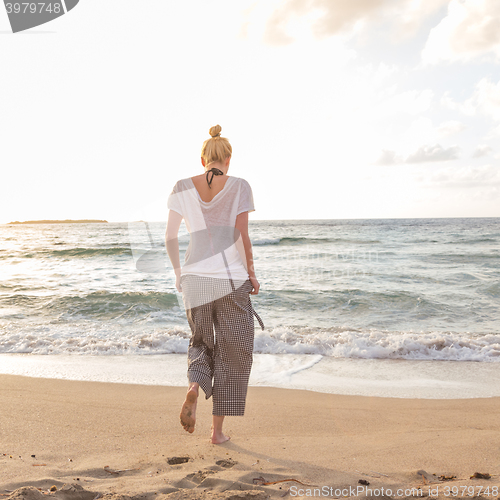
212 251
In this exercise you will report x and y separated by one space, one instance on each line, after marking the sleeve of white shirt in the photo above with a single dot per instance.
174 200
245 203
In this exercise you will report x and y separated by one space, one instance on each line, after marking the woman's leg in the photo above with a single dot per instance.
201 346
218 436
233 350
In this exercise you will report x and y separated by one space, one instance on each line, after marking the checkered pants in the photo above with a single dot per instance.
220 363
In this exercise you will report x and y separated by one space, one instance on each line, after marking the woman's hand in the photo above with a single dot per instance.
255 284
178 284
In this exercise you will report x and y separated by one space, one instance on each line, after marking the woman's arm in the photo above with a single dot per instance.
172 244
244 246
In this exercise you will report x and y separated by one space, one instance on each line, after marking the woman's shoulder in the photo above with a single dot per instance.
183 184
240 180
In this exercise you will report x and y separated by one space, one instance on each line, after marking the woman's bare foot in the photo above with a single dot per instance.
219 437
188 410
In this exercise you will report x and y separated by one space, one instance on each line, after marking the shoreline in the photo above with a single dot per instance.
75 429
405 379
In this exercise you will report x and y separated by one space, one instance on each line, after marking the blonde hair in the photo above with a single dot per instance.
216 148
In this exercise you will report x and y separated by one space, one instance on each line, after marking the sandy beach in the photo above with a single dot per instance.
88 439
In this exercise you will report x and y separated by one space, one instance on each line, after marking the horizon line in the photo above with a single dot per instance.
104 221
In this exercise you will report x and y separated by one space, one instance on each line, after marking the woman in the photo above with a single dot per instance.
216 279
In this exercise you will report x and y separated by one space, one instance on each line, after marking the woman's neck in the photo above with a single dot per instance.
217 164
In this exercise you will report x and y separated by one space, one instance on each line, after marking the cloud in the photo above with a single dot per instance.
412 102
450 127
325 17
471 29
485 100
424 154
494 133
482 150
332 17
407 147
422 130
409 16
465 177
435 153
388 157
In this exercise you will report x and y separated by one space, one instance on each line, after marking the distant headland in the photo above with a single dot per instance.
67 221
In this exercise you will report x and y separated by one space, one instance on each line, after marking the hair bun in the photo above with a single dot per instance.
215 131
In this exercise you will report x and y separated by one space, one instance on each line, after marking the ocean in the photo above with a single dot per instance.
378 307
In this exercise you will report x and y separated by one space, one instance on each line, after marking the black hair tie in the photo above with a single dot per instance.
215 171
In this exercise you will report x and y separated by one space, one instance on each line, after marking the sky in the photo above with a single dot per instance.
335 109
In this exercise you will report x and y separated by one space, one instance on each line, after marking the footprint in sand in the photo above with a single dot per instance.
196 478
200 476
178 460
226 463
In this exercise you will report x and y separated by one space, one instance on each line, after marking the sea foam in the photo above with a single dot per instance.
335 342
